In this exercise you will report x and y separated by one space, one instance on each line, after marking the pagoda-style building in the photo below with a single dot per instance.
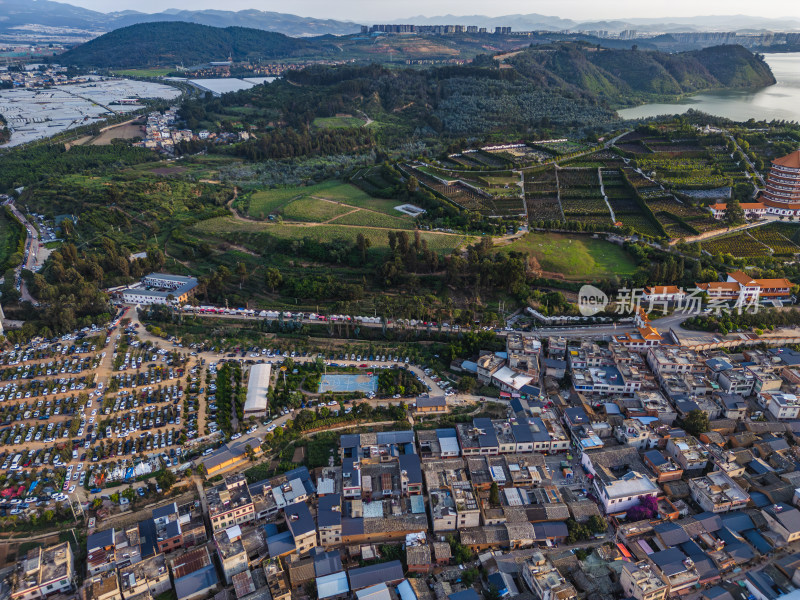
782 196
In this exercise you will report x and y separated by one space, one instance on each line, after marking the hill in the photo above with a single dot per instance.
553 89
625 76
172 43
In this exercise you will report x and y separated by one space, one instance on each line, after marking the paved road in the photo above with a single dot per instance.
570 331
33 255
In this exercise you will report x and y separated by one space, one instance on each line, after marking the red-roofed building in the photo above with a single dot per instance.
782 196
640 340
752 210
741 285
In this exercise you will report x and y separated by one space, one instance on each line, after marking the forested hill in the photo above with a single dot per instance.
624 76
151 44
544 91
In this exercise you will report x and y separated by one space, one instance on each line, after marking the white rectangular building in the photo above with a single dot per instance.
257 387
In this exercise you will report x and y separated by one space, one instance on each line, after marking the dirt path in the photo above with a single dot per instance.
349 212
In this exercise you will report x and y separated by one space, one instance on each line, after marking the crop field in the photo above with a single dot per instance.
313 210
488 160
624 205
561 148
638 180
229 228
541 184
634 148
338 122
777 238
584 206
640 223
465 160
679 172
578 178
574 257
670 212
790 231
368 218
504 205
372 181
740 245
673 206
543 209
673 226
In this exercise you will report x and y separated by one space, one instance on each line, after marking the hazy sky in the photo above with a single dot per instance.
388 10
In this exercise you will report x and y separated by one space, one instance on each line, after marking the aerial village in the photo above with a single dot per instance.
630 468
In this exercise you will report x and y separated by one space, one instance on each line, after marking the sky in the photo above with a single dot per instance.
388 10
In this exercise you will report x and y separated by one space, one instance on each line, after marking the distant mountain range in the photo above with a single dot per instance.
21 15
536 22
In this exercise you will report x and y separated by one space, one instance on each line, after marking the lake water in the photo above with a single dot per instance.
779 101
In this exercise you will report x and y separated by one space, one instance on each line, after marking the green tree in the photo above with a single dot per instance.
696 422
494 494
734 213
166 479
597 524
273 278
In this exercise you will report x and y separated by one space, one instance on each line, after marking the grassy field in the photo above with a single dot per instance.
368 218
337 122
313 210
196 167
279 200
228 228
575 257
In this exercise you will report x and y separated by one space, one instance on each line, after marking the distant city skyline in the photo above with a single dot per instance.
367 11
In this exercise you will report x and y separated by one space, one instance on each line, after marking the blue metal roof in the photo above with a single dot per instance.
692 549
332 585
469 594
522 434
299 519
737 521
329 511
100 539
758 541
147 537
405 591
194 583
727 536
655 457
280 544
410 463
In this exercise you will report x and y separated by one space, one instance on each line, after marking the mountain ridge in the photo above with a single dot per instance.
16 13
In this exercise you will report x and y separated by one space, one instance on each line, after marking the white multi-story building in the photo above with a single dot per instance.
781 406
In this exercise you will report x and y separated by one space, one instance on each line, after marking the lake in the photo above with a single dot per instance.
779 101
